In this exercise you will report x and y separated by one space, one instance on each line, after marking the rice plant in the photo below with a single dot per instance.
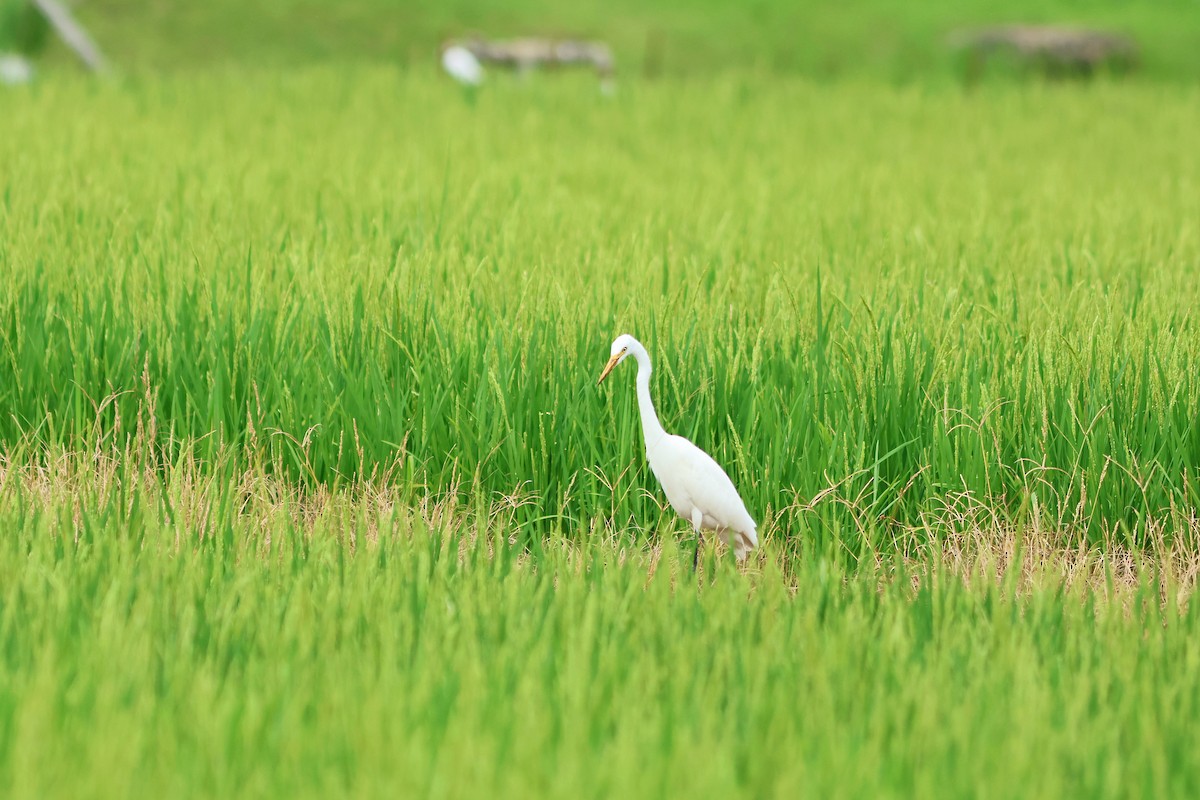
308 490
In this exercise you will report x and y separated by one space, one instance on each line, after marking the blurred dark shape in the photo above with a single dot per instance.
1057 51
527 54
23 29
656 45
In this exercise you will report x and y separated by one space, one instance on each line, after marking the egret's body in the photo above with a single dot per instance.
695 485
462 65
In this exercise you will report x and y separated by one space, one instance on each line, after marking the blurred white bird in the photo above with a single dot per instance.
695 485
462 65
15 69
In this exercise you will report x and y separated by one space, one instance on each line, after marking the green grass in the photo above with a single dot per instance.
373 653
936 304
888 39
307 489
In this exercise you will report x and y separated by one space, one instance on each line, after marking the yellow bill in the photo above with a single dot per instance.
612 362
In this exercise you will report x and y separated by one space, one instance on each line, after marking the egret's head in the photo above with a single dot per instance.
621 347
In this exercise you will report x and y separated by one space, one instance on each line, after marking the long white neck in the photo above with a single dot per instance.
652 429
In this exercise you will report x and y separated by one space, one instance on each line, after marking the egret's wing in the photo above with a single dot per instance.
712 490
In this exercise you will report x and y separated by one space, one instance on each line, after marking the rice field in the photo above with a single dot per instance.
308 488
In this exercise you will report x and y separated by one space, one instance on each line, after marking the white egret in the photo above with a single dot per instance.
462 65
695 485
15 69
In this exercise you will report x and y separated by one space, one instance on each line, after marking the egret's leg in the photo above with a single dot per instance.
697 520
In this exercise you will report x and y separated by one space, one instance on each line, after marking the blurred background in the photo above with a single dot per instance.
821 39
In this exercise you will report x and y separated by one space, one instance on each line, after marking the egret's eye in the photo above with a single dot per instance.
623 349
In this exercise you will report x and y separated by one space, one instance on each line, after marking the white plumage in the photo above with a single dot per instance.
462 65
695 485
15 69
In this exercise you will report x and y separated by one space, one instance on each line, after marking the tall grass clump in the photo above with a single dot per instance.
251 642
961 316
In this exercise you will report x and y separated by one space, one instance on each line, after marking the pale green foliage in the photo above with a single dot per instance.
378 652
353 518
